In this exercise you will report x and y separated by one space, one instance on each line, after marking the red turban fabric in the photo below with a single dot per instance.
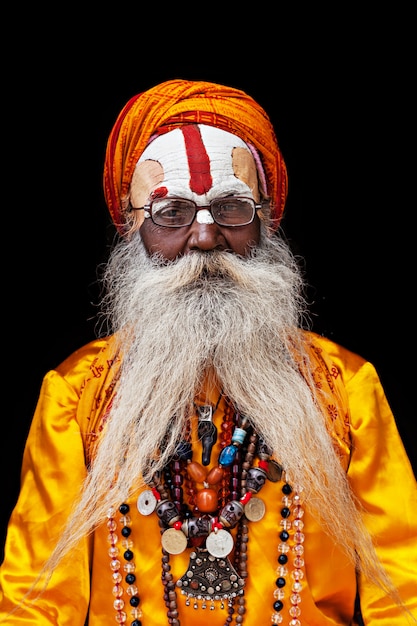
178 102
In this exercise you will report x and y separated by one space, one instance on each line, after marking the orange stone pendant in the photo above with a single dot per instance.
206 500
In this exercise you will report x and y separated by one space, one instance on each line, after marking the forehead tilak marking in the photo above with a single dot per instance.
198 160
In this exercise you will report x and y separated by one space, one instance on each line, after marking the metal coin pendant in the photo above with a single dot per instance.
255 509
174 541
146 502
219 543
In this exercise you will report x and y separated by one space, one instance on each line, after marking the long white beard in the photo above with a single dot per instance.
236 317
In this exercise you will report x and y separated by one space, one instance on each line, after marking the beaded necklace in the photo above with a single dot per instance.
227 501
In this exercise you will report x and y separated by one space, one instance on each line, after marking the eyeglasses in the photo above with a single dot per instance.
178 212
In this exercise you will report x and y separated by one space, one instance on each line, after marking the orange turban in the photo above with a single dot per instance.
178 102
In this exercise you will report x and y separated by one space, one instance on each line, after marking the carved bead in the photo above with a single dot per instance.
231 514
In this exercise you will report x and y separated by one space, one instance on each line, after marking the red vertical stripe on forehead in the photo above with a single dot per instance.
198 159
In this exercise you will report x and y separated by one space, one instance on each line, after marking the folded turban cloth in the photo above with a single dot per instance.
175 103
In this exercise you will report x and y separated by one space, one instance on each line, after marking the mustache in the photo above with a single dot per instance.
200 269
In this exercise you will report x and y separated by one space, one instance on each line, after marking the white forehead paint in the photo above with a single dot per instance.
179 164
204 217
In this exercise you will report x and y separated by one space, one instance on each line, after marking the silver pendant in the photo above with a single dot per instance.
210 578
204 412
146 502
207 431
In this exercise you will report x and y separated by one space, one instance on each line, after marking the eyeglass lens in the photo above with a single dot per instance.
177 212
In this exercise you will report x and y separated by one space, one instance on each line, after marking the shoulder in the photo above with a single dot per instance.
348 363
89 362
83 357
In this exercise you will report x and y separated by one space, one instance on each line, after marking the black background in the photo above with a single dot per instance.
340 93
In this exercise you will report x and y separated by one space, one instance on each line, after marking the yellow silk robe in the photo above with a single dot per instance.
62 437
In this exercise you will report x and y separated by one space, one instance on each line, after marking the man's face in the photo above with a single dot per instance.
198 163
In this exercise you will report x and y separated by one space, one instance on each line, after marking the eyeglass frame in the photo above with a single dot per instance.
148 211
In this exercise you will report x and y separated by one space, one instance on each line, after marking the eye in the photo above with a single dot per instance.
233 210
229 205
171 212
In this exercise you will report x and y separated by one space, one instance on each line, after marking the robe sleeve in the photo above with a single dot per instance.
383 479
53 469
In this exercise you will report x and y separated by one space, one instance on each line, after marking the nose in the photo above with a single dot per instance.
206 237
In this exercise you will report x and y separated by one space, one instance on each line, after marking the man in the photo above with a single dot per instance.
207 461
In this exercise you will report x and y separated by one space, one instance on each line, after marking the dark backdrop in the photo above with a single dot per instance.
340 97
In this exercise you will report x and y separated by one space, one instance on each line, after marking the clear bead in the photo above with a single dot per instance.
295 611
132 590
286 478
113 551
285 524
276 618
136 613
281 571
111 512
298 562
111 525
299 537
286 501
297 574
121 617
279 594
114 564
298 511
125 520
112 538
117 591
129 568
127 544
283 548
298 524
294 622
117 577
297 586
295 598
118 604
298 549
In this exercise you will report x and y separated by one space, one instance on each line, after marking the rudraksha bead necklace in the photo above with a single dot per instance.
226 501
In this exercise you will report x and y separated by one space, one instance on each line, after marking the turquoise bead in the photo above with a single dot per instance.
239 435
227 455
